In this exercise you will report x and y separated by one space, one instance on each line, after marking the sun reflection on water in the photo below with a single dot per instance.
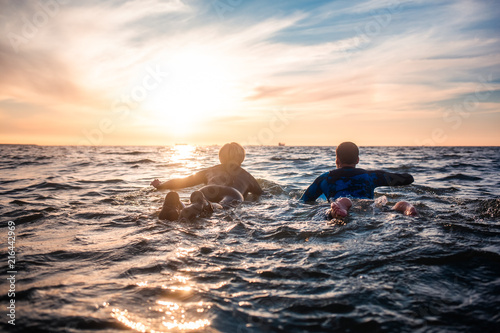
184 252
174 312
174 317
184 157
194 325
122 316
182 153
177 316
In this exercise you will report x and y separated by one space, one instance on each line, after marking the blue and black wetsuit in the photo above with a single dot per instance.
353 182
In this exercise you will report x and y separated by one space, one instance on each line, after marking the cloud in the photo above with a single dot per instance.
75 49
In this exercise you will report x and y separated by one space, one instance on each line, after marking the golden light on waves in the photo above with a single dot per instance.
175 318
170 313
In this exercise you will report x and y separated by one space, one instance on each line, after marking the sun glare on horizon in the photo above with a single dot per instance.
200 86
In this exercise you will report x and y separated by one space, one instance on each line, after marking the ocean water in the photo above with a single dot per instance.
92 256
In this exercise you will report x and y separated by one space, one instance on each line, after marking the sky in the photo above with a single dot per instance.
301 72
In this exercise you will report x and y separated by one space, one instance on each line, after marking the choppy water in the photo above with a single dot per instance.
91 255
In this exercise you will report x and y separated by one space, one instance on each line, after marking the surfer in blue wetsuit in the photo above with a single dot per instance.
227 185
347 181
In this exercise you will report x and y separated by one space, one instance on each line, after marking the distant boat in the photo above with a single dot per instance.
281 144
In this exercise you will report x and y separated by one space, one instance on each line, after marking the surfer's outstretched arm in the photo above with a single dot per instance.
173 184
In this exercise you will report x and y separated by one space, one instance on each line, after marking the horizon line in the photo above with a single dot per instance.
218 144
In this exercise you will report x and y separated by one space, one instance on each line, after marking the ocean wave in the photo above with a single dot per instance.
40 158
464 258
460 176
330 307
489 208
403 168
14 165
107 181
291 159
93 215
81 164
65 255
421 189
272 187
78 323
137 271
143 161
92 194
29 218
462 165
283 232
133 153
171 165
55 186
40 197
32 163
19 203
293 273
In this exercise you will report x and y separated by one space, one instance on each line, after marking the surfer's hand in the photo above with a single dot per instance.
156 183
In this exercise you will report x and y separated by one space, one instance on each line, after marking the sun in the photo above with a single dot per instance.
199 87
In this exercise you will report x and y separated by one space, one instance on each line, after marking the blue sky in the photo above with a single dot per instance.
257 72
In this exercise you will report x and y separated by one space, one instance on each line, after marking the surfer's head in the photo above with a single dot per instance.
347 154
232 153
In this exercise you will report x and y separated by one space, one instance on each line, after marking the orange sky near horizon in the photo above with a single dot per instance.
257 73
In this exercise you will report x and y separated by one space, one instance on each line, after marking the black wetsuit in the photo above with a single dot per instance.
353 182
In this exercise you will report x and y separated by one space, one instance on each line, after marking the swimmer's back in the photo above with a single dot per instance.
233 176
353 182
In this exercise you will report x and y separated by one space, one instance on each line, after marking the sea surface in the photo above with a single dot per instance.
92 256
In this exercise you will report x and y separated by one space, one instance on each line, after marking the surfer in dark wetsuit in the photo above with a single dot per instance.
349 181
227 184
